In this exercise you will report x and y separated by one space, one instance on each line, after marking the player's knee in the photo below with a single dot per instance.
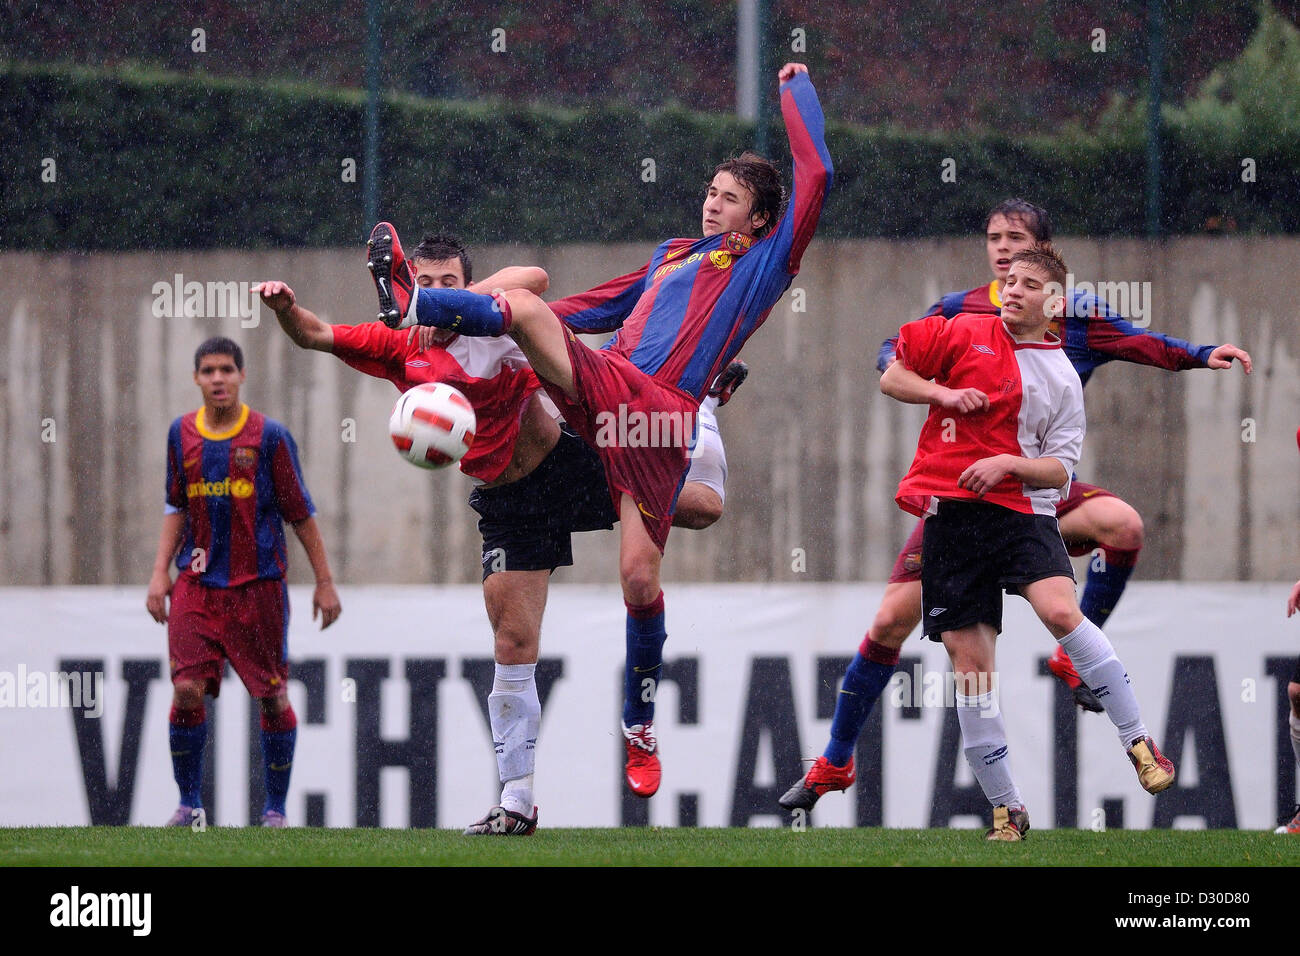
188 694
891 628
1118 525
640 582
514 643
524 308
1061 618
697 512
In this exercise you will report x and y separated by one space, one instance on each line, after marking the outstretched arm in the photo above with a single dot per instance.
604 308
305 329
1112 335
813 170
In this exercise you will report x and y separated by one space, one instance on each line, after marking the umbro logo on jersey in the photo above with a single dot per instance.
983 348
935 612
417 363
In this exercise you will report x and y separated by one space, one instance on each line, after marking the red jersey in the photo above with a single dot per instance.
236 488
492 372
1035 410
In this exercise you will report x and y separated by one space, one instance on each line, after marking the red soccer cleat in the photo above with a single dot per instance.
821 779
1293 827
1062 667
643 770
394 280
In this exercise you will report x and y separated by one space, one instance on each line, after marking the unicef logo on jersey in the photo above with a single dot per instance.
225 488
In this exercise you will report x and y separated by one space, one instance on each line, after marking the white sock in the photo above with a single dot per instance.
1094 658
984 741
1294 723
515 714
517 795
709 405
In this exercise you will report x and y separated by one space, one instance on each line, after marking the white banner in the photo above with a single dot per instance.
393 730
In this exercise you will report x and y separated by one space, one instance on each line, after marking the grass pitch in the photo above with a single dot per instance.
235 846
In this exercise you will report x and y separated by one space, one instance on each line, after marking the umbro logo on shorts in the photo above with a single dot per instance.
935 612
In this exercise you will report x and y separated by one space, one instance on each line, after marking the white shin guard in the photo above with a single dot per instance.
515 714
1094 658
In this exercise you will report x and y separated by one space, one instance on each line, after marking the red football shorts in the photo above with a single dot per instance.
247 625
1079 493
639 426
907 566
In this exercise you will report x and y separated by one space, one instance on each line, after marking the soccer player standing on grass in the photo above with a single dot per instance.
536 483
1090 516
232 480
681 318
987 490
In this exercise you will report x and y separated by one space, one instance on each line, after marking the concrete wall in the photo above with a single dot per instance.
90 379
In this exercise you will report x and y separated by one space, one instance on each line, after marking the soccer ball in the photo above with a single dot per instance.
432 425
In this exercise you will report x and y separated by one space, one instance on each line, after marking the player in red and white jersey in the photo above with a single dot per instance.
1004 433
536 483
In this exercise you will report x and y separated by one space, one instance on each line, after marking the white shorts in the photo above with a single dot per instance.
709 458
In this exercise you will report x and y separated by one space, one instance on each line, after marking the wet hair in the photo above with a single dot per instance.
219 345
1044 257
761 178
1035 218
440 249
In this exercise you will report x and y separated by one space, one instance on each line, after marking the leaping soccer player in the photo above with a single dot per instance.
681 318
1090 516
536 483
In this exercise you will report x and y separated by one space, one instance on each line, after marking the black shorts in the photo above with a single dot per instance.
526 524
973 551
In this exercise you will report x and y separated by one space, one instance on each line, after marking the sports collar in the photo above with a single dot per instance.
230 432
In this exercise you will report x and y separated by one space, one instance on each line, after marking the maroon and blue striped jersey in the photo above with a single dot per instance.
684 315
1092 332
236 488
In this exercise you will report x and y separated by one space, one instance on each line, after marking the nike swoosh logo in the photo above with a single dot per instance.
282 768
382 287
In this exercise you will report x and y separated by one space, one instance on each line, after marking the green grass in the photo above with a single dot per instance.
229 846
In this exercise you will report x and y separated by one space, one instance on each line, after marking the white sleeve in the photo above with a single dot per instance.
1064 437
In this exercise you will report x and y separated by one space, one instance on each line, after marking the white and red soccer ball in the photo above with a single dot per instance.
432 425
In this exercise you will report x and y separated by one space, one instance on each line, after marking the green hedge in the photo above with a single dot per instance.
169 161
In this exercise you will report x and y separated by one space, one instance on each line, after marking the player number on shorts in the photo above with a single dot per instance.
648 687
